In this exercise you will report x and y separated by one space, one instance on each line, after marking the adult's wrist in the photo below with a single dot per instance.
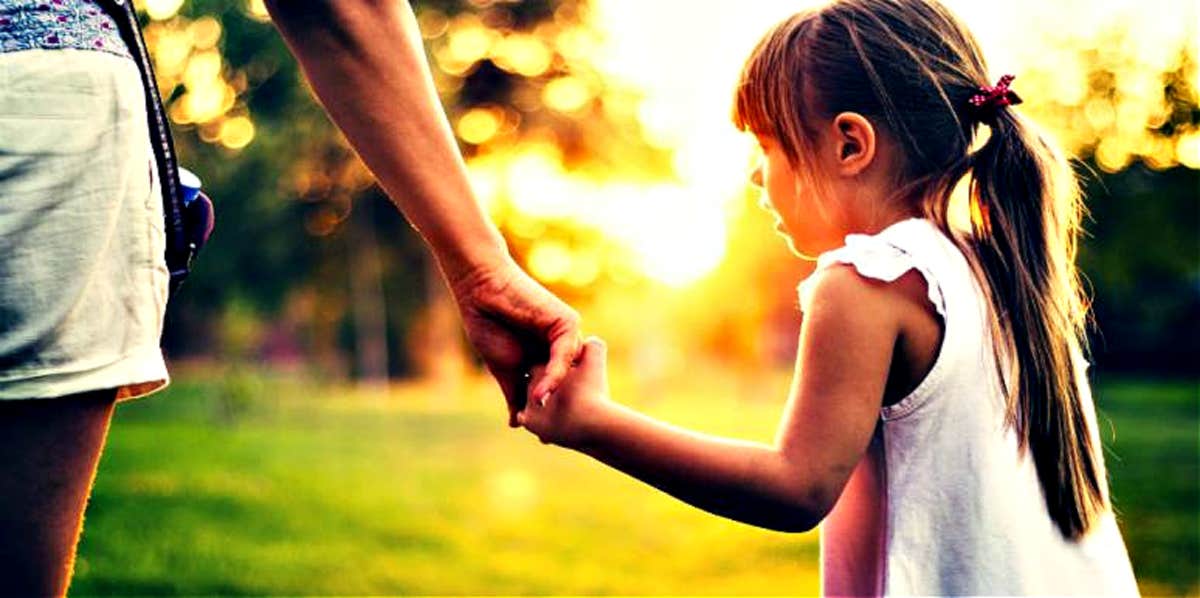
475 260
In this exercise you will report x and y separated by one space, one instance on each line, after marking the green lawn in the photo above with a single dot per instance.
1152 437
272 486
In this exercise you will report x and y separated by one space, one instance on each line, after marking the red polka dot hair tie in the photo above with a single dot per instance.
989 99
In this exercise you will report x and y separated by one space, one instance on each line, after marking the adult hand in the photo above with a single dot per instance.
514 324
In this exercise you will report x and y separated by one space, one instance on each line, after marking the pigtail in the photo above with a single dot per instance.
1026 211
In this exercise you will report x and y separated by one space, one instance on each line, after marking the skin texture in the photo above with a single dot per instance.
50 453
365 61
862 343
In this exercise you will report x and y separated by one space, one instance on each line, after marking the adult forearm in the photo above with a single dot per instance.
366 64
745 481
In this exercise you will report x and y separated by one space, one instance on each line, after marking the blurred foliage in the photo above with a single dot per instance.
288 186
573 166
1130 109
1141 257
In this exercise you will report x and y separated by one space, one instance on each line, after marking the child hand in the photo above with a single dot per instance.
568 414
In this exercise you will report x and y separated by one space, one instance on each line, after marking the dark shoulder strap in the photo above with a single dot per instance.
179 250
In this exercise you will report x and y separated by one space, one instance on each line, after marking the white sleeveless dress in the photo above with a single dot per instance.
942 504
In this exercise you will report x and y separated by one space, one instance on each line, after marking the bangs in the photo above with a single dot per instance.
750 112
749 102
767 101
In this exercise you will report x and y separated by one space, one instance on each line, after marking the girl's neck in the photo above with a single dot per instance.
876 198
879 215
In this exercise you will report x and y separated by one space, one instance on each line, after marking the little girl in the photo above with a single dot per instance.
939 426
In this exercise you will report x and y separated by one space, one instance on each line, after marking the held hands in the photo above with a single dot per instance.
568 415
514 323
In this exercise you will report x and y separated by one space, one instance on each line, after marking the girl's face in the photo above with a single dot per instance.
807 225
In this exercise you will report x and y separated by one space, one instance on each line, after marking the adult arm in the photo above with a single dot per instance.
365 62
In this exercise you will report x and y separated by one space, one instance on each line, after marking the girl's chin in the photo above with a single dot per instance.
795 248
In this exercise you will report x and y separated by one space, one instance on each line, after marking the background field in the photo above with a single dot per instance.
319 490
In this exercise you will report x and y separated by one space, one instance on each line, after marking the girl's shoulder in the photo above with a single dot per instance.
886 256
884 283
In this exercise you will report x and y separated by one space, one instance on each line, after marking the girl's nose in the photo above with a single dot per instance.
756 176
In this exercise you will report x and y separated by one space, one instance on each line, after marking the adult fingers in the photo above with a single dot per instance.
534 418
513 385
564 350
532 404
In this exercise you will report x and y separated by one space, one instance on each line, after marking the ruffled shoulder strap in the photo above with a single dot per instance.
875 257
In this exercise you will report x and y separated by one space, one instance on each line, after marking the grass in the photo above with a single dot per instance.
1152 437
268 486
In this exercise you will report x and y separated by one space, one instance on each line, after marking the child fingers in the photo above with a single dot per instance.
596 343
595 352
534 419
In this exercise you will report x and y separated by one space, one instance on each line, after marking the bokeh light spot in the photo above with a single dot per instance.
160 10
524 55
205 32
566 94
432 22
1187 148
469 40
237 132
478 125
257 10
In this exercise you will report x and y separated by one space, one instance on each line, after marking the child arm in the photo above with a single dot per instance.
846 345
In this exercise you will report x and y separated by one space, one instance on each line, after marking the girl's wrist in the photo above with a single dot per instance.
594 427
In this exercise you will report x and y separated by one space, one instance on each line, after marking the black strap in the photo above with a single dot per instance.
179 251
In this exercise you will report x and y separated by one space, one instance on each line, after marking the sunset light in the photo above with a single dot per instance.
686 76
673 222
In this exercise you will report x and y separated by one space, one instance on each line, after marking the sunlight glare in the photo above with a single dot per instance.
550 261
684 60
676 228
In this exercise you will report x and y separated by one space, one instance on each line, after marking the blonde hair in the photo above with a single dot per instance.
910 66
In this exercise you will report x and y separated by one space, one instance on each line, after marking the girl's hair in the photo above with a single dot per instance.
910 66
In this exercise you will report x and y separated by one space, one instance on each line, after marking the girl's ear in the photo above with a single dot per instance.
854 141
